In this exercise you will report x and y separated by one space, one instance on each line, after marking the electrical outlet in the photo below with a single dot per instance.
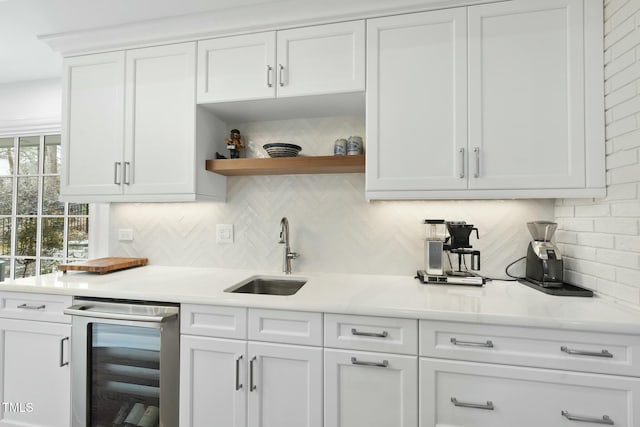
224 233
125 234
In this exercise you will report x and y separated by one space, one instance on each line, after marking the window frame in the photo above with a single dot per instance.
12 257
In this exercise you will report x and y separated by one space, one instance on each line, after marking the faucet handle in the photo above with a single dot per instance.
293 255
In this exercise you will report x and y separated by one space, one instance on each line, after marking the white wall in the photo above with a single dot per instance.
333 227
30 107
601 238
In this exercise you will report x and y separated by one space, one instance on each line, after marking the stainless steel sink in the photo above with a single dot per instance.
268 286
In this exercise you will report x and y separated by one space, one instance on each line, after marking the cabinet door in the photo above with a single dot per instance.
93 124
465 394
370 389
237 68
416 101
285 385
35 374
321 59
526 95
213 383
160 120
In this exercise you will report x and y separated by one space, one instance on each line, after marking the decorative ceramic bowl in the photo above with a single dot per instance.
281 149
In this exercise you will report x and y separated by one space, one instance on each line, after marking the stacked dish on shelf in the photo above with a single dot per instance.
281 149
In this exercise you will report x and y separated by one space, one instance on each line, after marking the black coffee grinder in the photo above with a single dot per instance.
544 261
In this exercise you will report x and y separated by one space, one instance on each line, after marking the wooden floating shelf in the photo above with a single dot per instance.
287 165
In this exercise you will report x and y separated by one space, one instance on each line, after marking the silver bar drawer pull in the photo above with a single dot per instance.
602 353
382 334
461 174
384 364
488 406
32 307
487 343
604 420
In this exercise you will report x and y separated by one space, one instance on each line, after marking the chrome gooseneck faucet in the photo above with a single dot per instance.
284 239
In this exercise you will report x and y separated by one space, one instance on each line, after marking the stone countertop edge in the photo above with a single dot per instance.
498 302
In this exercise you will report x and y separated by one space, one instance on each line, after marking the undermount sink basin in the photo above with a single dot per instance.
268 286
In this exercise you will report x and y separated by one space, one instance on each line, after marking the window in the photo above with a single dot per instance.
37 232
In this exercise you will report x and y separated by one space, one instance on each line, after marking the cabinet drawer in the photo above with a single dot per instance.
289 327
548 348
383 334
20 305
482 395
213 321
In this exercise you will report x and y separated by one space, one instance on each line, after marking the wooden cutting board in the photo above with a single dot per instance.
104 265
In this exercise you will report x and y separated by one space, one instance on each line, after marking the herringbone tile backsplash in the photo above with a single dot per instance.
332 225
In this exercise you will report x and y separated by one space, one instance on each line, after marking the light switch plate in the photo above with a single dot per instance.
224 233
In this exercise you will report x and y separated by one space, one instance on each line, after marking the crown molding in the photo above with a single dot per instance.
278 14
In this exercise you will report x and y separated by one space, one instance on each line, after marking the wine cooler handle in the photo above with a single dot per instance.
83 311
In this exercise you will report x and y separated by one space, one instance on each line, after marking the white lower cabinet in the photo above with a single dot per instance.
370 389
212 379
284 385
466 394
35 376
238 383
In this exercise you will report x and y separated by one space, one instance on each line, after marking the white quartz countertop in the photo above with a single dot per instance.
497 302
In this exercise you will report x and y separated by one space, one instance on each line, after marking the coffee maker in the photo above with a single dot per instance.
444 239
544 261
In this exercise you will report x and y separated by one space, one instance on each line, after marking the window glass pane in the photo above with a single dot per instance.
49 265
52 154
28 150
50 193
52 237
78 237
27 196
25 267
5 268
6 196
78 209
7 157
26 230
5 236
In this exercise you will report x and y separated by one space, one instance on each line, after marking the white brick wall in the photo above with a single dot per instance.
601 238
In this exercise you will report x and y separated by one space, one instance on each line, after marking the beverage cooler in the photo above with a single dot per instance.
125 368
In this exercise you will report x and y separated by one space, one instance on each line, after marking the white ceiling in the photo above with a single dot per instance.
24 57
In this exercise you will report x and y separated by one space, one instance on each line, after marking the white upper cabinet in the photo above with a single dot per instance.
416 101
236 68
160 120
315 60
487 101
130 128
526 95
322 59
92 124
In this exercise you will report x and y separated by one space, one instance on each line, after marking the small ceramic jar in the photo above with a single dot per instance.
340 147
354 145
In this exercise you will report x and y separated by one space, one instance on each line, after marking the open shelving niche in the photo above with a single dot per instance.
279 109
